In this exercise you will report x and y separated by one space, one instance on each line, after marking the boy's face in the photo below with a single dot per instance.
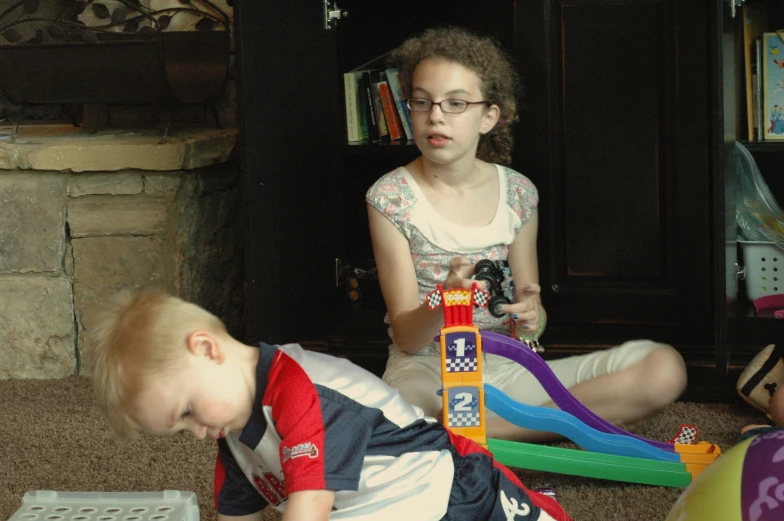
207 394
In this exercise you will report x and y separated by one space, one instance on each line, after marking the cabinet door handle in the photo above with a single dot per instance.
734 4
333 13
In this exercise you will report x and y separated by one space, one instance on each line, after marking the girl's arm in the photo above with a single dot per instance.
413 324
524 264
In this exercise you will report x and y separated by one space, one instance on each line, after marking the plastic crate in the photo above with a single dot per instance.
764 269
48 505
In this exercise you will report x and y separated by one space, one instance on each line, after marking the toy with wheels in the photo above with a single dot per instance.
490 273
745 484
609 452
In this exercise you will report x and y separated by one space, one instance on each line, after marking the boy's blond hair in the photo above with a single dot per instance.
137 336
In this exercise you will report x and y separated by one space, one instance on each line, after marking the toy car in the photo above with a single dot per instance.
493 276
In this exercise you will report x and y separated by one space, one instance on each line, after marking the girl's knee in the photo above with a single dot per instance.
422 396
663 372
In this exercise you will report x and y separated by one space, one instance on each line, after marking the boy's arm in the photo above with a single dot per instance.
250 517
309 505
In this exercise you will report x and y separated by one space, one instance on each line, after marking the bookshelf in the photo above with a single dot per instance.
746 332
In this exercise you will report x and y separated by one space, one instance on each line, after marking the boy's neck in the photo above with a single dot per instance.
247 360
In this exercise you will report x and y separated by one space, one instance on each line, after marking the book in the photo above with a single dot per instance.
773 86
383 129
755 20
757 87
390 112
367 100
352 107
400 100
363 109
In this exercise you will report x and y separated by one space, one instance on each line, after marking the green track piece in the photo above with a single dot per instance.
589 464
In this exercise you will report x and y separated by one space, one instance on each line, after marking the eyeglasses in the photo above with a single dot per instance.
447 106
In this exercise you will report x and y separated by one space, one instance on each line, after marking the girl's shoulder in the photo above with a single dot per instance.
521 193
515 181
399 177
392 193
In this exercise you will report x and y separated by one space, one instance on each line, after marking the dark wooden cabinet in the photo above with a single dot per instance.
616 138
622 131
289 114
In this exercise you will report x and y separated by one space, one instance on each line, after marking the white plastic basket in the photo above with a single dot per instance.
49 505
764 269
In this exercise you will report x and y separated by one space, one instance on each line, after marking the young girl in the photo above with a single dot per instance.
433 219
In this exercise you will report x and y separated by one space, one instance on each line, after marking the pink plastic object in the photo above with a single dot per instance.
779 313
769 303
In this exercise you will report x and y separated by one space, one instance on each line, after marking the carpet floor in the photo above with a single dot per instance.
54 438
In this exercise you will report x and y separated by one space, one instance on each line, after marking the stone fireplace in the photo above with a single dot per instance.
144 193
85 215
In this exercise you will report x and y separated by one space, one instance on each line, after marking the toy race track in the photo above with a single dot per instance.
608 452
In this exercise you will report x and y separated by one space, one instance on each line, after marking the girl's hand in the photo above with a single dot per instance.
527 311
461 269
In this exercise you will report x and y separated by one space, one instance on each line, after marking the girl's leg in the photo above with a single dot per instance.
417 379
622 385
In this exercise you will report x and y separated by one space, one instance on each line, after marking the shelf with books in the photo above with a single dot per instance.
400 149
375 108
775 147
763 71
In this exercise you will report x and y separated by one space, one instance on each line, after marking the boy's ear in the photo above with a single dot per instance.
490 119
204 343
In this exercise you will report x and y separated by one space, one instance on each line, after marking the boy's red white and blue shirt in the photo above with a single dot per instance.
323 423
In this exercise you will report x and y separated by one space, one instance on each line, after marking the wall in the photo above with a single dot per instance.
73 235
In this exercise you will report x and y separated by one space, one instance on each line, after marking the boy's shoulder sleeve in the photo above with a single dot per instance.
323 438
234 494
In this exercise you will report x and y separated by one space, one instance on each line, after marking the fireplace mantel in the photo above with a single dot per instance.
68 148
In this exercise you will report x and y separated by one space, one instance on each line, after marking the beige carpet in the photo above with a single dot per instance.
53 438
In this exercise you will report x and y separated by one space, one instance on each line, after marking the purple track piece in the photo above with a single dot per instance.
510 348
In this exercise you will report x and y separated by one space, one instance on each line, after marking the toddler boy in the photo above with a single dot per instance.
315 436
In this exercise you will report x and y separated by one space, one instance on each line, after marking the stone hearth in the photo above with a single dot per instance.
85 215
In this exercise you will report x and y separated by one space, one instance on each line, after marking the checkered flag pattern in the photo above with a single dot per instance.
463 419
480 297
687 435
434 299
461 365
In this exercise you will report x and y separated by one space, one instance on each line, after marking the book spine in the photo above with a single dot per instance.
757 86
361 106
390 112
367 87
383 129
350 96
400 100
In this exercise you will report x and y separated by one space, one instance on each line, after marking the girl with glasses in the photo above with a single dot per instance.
432 221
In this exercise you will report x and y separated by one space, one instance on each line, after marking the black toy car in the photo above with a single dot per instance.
492 274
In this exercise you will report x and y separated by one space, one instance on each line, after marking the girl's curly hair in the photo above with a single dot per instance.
485 57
